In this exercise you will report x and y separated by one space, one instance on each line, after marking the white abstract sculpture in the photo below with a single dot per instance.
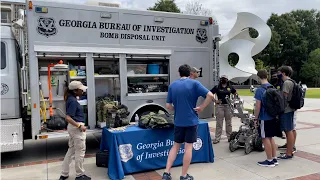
239 41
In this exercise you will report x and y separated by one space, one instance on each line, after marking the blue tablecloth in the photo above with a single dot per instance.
136 149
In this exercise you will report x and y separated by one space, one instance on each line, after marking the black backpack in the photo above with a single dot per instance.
274 101
297 99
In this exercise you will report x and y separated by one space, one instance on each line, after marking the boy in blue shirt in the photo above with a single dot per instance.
267 124
182 99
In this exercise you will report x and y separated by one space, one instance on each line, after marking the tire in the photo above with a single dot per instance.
258 145
232 147
248 146
248 149
233 136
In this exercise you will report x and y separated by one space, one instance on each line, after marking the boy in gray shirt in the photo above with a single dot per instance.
287 118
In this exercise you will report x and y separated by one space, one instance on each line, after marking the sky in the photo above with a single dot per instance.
224 10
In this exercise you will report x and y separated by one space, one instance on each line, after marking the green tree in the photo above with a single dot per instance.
260 65
310 29
165 6
288 46
311 69
271 54
233 59
294 36
253 33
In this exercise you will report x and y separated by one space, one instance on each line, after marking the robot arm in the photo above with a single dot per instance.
236 107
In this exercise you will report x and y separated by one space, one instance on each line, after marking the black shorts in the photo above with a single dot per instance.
187 134
268 129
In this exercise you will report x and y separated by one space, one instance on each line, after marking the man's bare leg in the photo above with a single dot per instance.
294 128
267 148
186 158
274 148
290 142
294 136
172 156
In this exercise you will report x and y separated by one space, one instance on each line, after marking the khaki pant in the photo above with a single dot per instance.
223 112
77 150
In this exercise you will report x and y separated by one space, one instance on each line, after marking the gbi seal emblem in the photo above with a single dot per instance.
125 152
201 36
4 89
46 26
197 145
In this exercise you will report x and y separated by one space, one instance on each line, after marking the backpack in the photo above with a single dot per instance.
152 120
274 101
297 99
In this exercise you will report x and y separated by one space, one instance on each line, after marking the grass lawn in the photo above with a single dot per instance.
244 92
249 110
311 92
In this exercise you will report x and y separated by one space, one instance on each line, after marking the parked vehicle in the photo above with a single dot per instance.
132 55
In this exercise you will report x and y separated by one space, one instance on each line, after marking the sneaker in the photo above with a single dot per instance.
266 163
83 177
294 149
284 156
283 147
275 161
215 141
63 177
166 176
188 177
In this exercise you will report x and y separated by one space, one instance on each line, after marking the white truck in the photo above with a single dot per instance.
131 54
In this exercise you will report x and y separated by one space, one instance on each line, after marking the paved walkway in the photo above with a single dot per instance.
227 165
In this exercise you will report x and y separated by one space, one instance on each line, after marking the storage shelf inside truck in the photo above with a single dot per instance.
147 75
106 76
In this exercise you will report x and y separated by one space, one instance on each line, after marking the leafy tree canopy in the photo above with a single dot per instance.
165 6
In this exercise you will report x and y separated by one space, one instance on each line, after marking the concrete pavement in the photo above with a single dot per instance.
46 149
227 165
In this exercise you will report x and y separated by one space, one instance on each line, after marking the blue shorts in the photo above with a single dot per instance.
267 129
286 121
185 134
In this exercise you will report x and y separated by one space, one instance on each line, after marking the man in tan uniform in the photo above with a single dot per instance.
194 73
222 108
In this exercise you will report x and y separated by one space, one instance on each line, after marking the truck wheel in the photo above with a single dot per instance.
233 135
258 145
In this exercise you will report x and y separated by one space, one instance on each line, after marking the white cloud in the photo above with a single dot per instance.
225 10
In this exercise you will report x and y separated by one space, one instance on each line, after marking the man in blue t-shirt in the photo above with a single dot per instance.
182 99
267 124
